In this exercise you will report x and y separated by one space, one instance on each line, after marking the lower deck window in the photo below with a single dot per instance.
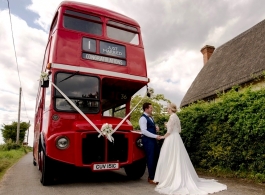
82 90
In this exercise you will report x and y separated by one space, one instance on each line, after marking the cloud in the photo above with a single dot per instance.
173 76
173 34
48 9
30 45
217 33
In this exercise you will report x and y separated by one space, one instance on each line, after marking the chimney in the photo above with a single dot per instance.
207 51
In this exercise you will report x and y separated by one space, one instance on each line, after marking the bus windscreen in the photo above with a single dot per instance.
81 89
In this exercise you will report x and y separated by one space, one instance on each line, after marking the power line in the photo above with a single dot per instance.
25 104
13 41
16 56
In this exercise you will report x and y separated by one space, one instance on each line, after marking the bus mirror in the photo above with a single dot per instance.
45 84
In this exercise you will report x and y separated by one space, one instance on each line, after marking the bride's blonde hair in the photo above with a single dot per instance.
173 107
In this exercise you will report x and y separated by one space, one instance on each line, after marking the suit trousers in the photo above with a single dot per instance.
152 151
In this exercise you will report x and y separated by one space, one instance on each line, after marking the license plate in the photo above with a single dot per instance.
106 166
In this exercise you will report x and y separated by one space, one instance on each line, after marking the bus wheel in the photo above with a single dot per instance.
34 162
40 157
46 172
136 169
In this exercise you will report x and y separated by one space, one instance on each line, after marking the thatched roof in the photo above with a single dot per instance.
233 63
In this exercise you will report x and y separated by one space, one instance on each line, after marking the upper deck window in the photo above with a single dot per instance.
81 89
73 13
122 35
122 25
73 22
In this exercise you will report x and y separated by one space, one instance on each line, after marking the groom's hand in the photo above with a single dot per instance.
158 137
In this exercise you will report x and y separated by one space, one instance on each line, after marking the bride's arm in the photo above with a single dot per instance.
170 126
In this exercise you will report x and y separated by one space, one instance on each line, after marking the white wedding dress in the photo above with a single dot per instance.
175 172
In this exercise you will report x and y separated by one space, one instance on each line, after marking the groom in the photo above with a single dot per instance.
149 137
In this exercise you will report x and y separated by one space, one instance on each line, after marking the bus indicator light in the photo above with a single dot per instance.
49 66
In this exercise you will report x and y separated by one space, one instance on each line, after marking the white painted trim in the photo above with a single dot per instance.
97 71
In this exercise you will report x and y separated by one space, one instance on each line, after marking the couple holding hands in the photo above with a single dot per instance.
171 169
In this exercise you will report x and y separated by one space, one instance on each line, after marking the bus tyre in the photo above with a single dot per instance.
34 162
46 172
136 169
40 157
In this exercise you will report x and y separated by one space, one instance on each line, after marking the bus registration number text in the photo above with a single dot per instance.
106 166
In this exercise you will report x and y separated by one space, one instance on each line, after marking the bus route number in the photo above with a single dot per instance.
123 96
89 45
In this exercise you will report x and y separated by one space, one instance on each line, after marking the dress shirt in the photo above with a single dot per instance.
143 127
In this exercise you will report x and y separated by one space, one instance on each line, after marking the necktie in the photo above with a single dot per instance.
151 119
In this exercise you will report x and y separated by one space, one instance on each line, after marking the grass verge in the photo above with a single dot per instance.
10 154
228 173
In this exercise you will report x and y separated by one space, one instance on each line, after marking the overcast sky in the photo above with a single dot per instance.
173 32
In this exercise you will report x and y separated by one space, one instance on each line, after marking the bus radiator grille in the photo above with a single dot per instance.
118 151
93 149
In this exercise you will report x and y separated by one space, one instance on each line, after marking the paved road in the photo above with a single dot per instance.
23 179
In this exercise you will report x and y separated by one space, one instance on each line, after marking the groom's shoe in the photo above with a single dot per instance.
151 181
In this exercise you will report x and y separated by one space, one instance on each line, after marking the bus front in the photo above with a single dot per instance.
95 59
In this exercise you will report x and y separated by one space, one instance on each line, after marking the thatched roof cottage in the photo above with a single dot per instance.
237 62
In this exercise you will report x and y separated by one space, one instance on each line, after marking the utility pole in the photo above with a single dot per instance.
28 135
18 120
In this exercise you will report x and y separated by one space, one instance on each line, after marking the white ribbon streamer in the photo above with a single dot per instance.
127 116
102 132
116 128
78 110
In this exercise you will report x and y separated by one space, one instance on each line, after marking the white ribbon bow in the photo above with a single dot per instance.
107 131
150 92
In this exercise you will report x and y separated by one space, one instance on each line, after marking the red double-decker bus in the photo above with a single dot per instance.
96 58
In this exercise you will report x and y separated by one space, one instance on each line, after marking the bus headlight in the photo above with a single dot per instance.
139 143
62 143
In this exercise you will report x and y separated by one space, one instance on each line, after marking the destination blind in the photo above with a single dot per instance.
105 59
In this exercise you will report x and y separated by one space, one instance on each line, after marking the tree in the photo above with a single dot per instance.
120 113
10 131
159 114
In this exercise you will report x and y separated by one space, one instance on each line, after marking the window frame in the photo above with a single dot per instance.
84 19
55 96
120 26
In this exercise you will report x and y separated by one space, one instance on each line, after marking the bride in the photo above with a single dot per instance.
175 173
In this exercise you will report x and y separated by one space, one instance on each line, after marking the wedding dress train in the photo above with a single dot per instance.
175 172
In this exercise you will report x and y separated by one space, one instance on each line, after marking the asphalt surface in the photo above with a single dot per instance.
24 179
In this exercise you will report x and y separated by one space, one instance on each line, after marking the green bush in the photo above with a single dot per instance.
10 145
228 134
